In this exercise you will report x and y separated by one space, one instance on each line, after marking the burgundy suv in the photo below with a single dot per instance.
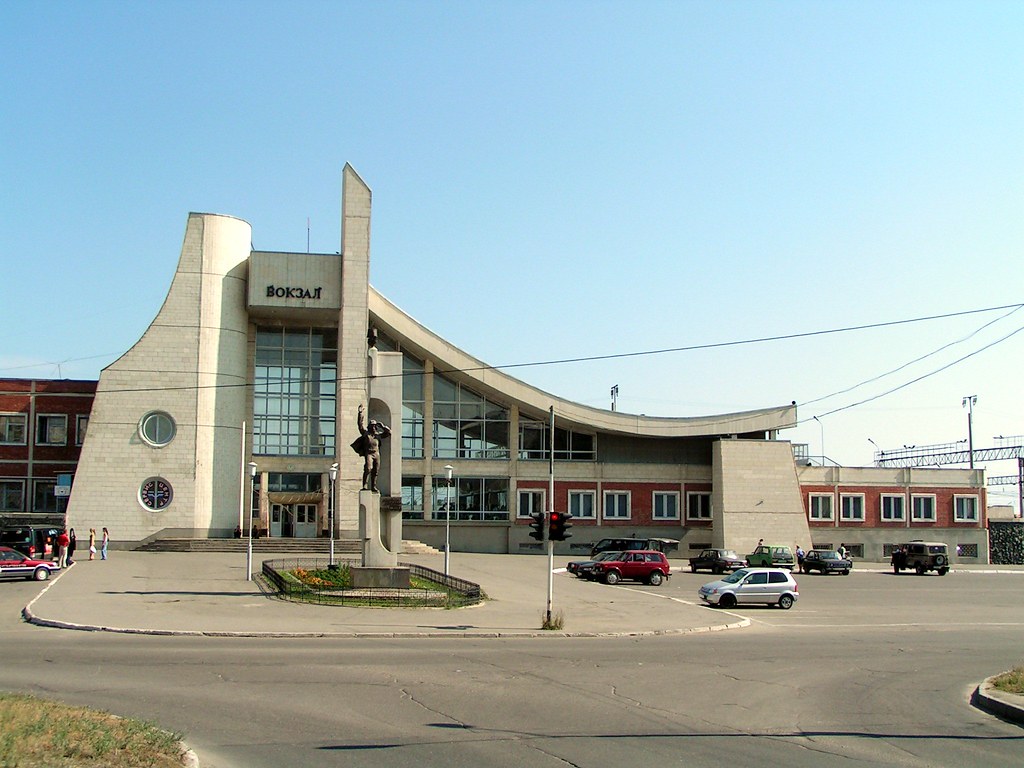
640 565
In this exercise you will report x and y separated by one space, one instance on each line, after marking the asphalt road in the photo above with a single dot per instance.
865 670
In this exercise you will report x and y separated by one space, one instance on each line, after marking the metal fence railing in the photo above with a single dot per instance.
433 588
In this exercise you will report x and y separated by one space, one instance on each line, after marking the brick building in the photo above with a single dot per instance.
43 424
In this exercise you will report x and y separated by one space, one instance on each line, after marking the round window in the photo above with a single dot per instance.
155 493
157 428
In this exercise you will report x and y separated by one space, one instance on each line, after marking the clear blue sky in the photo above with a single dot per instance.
554 180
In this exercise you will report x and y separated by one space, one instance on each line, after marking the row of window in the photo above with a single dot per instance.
892 507
51 429
486 498
618 504
12 496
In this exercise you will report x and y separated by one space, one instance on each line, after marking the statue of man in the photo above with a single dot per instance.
367 445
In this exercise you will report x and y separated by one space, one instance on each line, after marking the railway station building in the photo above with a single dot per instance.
243 392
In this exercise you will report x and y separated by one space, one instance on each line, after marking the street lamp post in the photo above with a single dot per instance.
822 426
968 403
447 516
252 492
333 474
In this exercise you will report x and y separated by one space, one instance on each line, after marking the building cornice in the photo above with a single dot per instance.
419 340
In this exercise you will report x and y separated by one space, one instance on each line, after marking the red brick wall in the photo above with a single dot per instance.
641 501
944 506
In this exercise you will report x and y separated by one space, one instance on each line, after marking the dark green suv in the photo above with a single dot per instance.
921 556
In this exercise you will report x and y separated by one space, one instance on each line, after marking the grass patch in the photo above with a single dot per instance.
556 622
324 578
36 733
315 583
1011 682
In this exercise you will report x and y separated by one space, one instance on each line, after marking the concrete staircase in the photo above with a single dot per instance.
342 547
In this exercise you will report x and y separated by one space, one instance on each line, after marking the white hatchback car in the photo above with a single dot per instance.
772 586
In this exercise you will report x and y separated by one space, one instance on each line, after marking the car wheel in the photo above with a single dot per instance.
786 602
655 578
727 601
943 571
940 560
612 577
846 571
921 570
716 569
41 574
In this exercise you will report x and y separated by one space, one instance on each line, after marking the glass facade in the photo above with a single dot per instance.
412 498
466 426
413 408
294 391
535 441
472 498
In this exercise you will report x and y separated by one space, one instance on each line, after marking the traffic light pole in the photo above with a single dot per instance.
551 508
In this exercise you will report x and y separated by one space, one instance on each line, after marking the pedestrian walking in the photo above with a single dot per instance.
106 542
63 541
92 543
72 545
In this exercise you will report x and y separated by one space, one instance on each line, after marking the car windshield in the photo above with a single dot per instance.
729 553
830 554
736 576
608 556
937 549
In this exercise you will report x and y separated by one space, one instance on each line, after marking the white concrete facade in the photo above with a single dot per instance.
191 364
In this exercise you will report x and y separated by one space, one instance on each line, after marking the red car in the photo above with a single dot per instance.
639 565
13 564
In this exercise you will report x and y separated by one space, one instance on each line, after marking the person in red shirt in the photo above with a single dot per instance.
63 540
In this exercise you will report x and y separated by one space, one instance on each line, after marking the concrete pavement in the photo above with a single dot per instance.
194 593
191 593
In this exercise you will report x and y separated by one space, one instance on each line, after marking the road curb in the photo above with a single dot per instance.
31 618
1007 706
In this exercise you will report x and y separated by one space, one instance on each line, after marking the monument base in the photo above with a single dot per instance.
364 577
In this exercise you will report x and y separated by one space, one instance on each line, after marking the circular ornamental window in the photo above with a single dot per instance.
157 428
155 493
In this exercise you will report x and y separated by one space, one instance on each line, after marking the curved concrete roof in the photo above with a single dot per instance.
500 386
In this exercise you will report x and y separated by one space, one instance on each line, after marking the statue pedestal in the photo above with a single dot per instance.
380 528
387 578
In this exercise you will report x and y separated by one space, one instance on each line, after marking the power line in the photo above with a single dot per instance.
913 362
919 378
624 355
719 345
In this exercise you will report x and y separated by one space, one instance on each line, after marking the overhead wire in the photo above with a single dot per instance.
912 362
612 356
713 345
919 378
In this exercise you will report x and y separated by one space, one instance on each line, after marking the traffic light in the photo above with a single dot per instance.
538 526
561 522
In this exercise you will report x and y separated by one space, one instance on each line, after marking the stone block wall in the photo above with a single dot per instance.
1006 542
